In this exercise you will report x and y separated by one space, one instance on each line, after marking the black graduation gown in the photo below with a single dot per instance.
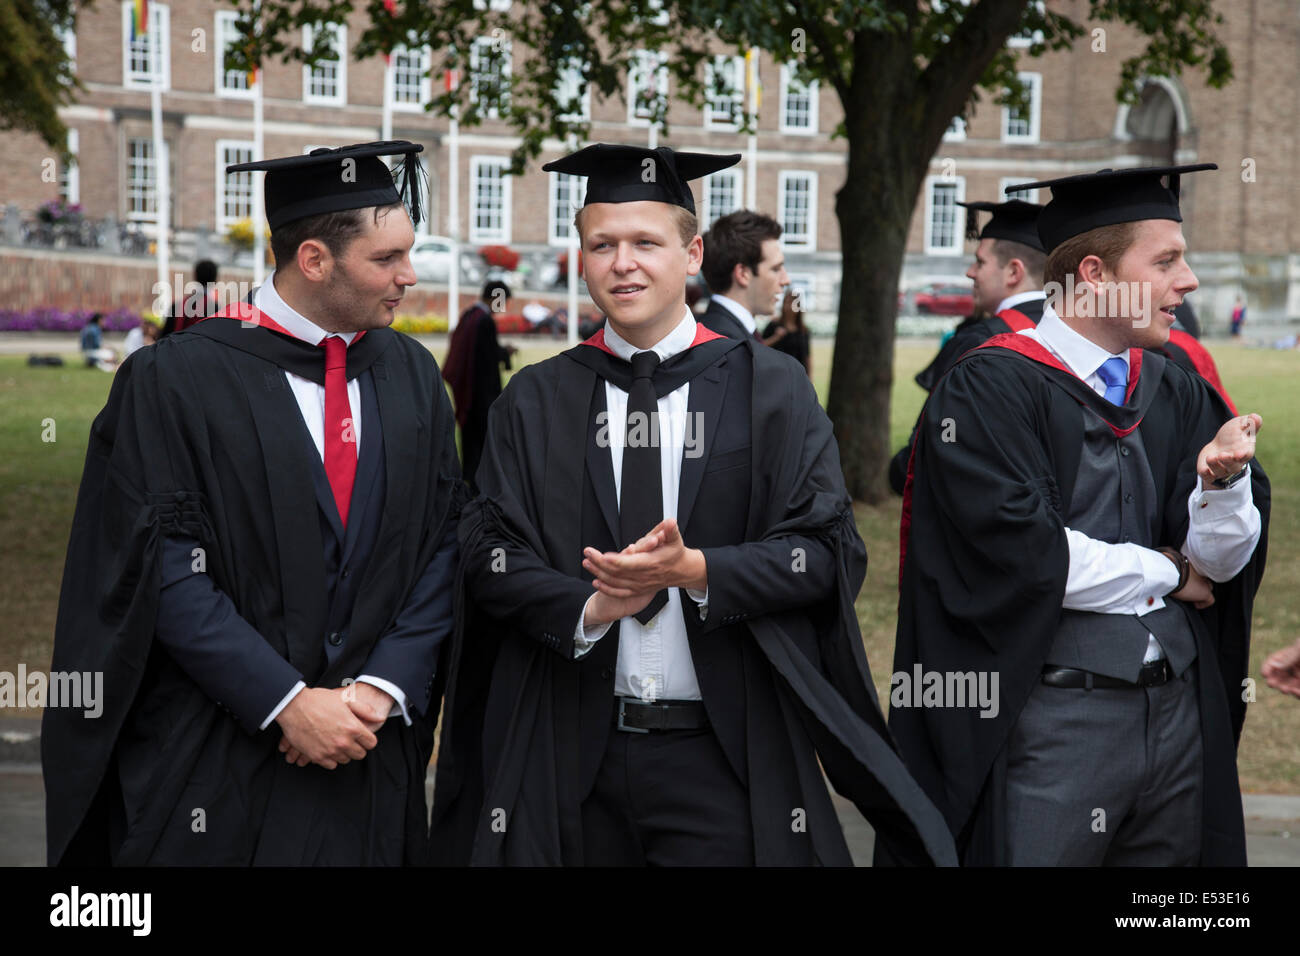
971 333
985 559
201 438
507 790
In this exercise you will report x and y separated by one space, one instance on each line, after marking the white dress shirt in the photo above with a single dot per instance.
1128 578
739 311
1011 301
654 660
311 402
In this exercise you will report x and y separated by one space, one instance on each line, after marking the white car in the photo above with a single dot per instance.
431 259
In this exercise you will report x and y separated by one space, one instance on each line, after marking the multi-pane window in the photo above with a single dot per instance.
489 75
411 87
647 86
721 195
573 94
798 102
141 180
1021 126
228 82
567 195
489 194
145 56
234 190
1027 195
326 83
943 226
69 175
797 205
724 83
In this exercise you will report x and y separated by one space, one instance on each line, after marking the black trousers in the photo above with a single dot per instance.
667 798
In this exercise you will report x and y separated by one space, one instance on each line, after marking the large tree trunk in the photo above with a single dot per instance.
874 209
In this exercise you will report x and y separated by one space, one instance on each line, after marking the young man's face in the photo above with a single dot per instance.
989 279
1157 278
763 297
367 281
636 266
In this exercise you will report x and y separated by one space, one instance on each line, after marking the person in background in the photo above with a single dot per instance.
92 345
788 333
199 303
472 369
745 269
146 333
1238 316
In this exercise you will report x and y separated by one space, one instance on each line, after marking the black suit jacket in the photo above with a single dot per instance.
723 321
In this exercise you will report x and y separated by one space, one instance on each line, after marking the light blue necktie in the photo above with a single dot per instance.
1114 372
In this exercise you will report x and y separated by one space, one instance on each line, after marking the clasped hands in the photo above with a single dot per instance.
332 726
625 581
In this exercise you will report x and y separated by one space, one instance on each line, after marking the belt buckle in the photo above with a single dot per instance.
622 712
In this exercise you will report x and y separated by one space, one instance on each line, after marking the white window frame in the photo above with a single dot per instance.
956 131
811 91
340 97
706 200
1030 195
159 30
222 220
557 218
224 22
722 119
425 56
72 171
146 218
507 66
1035 83
958 226
785 177
643 59
496 6
476 234
570 78
69 40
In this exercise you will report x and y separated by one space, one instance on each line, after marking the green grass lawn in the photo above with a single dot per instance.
38 485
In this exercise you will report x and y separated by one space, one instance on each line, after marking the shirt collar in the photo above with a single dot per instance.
295 323
678 340
1013 300
739 311
1081 355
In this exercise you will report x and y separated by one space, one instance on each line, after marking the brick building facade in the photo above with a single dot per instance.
1241 222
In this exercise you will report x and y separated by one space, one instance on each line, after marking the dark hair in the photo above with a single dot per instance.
205 271
490 289
736 239
96 317
1033 259
792 308
335 229
1108 243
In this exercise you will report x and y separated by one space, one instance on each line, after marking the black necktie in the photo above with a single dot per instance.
641 496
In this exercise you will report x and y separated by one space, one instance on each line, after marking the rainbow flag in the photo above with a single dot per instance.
140 19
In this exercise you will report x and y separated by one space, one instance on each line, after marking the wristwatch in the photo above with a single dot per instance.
1231 479
1184 567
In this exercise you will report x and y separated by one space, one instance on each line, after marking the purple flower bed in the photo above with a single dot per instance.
58 320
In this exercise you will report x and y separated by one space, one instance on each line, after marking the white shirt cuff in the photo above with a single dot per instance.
393 691
585 638
1223 528
701 598
284 701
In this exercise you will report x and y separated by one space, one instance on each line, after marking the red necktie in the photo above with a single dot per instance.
340 432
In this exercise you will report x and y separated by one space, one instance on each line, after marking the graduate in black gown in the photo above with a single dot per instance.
1006 285
475 357
261 561
660 653
1085 522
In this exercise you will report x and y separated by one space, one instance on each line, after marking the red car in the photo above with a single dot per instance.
945 300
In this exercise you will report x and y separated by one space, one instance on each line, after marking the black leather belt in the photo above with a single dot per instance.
1152 675
641 717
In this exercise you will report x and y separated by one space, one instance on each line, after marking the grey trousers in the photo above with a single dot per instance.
1106 777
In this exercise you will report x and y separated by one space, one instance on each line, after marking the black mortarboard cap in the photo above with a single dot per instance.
1107 198
634 173
1015 220
332 180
